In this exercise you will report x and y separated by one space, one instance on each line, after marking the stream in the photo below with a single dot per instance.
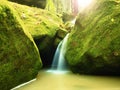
68 81
60 78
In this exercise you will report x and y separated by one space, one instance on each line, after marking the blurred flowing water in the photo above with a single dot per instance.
59 62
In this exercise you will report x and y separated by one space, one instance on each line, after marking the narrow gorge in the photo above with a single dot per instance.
59 45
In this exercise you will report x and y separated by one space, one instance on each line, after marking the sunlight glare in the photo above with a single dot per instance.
84 3
57 71
73 21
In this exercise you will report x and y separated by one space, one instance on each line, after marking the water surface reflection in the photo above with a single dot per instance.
68 81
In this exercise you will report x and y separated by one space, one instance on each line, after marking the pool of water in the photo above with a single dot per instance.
66 80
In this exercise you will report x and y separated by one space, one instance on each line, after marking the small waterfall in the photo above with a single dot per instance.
59 63
56 57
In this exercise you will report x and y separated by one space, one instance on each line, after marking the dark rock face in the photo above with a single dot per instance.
19 57
35 3
94 44
47 46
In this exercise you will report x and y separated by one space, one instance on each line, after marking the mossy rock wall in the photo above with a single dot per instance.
34 3
94 44
44 27
19 57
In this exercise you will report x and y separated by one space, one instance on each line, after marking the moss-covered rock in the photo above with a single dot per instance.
35 3
67 17
94 44
44 27
38 21
19 56
50 6
61 33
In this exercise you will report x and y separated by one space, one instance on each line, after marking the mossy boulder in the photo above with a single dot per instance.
19 57
35 3
44 27
94 44
41 23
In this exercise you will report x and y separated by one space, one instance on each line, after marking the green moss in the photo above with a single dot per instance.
50 6
19 57
44 27
37 21
96 29
35 3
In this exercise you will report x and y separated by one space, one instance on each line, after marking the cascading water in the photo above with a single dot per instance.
59 59
59 62
56 57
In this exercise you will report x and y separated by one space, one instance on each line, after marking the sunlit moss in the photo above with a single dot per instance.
94 43
50 6
44 27
38 21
